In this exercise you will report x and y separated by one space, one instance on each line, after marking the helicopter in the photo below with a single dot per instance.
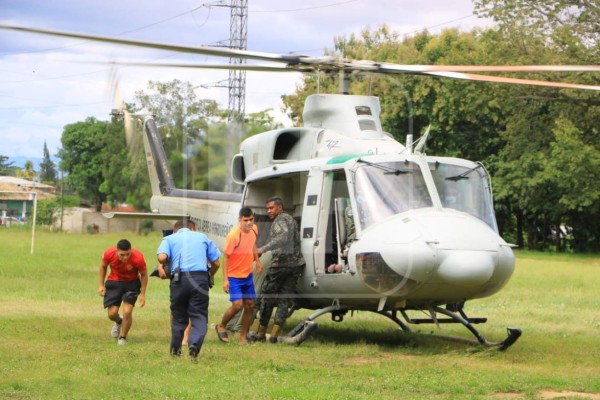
384 227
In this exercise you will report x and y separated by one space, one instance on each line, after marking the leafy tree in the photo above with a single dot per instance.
116 163
182 121
512 129
259 122
5 167
568 26
539 121
48 172
28 172
81 156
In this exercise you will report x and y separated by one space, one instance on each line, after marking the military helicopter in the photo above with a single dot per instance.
384 227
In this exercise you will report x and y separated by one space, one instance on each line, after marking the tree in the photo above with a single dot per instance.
5 166
83 144
28 172
511 129
539 188
182 120
568 26
48 172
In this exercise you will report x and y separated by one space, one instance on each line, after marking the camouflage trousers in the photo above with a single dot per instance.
277 290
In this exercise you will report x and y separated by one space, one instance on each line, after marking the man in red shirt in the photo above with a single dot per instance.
127 280
238 255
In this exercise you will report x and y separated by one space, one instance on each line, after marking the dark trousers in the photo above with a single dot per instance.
277 290
189 301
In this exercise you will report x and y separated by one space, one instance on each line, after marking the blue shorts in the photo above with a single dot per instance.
241 289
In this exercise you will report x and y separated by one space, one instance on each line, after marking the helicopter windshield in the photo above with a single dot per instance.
465 189
385 189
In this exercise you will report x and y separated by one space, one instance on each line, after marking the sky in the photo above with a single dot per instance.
45 82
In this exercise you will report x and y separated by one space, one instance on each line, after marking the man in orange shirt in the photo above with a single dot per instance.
238 255
127 280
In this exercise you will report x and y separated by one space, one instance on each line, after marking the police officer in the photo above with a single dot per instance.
287 264
189 253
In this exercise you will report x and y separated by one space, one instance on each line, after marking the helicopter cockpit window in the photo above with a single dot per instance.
465 189
385 189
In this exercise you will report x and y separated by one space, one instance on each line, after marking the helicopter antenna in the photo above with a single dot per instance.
422 140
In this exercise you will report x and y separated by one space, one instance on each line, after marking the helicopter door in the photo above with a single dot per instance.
330 234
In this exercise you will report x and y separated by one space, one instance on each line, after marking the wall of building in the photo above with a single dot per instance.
78 220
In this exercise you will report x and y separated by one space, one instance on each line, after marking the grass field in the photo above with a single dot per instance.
55 339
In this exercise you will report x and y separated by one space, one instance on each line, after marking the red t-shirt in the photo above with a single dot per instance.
239 247
127 271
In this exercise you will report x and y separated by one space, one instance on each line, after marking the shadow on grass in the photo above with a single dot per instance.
388 337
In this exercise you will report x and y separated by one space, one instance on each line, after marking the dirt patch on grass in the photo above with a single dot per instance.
550 394
507 395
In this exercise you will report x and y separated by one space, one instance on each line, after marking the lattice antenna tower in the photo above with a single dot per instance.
238 37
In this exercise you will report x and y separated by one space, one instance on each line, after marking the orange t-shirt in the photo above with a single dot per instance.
239 246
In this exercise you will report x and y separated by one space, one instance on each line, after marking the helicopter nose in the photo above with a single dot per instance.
444 247
467 268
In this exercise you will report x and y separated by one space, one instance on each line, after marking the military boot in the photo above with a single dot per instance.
261 334
274 333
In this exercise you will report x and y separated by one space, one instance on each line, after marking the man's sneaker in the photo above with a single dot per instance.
116 329
175 352
122 341
193 352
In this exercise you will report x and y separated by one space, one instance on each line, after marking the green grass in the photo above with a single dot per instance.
55 343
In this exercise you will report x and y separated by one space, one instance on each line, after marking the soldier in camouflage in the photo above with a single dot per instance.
286 266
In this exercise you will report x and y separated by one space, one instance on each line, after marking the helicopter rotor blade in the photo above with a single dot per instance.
301 63
386 67
203 50
502 79
239 67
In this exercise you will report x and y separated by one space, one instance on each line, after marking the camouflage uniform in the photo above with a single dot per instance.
350 230
286 266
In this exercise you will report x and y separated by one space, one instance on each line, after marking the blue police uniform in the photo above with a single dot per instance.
189 251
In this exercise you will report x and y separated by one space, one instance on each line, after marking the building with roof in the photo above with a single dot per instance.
17 196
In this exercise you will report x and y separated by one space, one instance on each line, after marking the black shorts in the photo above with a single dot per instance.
119 291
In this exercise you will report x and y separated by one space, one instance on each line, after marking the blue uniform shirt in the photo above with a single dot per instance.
189 250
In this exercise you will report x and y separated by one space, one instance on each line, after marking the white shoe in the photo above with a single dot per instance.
121 342
116 329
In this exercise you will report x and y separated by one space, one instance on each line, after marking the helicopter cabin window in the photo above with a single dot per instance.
382 190
465 189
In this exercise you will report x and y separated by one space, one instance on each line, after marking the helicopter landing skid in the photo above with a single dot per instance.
305 328
461 317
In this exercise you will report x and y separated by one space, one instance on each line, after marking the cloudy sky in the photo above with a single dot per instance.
45 84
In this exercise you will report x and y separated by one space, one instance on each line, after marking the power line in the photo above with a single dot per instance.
306 8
